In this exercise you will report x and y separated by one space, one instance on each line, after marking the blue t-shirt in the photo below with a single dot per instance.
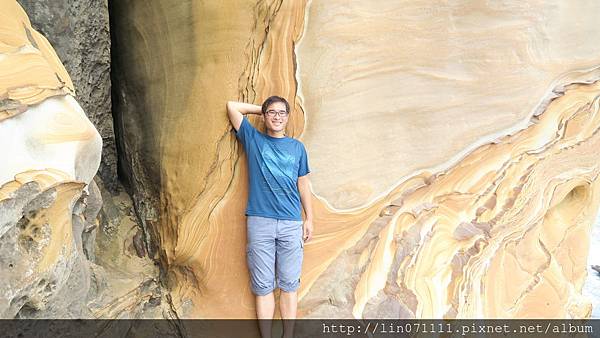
274 165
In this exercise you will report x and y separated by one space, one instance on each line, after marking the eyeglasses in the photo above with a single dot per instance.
282 113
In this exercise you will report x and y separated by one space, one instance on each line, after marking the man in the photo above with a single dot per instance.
278 184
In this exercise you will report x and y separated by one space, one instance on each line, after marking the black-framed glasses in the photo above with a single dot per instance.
282 113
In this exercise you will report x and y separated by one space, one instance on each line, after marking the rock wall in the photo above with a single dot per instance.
51 153
452 148
58 258
78 30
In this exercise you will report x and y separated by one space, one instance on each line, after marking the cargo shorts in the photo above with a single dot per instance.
274 245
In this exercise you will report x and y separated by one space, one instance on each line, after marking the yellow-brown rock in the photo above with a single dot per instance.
454 167
31 71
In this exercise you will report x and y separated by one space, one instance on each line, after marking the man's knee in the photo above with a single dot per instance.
289 285
261 289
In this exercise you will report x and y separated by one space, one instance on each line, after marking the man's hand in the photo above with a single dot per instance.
308 230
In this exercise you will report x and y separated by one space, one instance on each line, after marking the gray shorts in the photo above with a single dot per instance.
274 245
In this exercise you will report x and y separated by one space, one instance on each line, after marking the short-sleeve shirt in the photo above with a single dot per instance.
274 165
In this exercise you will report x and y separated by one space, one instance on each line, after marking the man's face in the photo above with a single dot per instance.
274 120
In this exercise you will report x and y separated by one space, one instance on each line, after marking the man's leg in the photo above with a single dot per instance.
265 308
260 253
288 304
290 252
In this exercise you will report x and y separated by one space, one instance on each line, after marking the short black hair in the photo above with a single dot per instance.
273 99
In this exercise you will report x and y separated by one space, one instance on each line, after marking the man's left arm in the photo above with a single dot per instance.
306 199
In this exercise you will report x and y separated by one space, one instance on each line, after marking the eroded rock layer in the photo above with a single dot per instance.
492 223
503 234
79 33
56 257
31 71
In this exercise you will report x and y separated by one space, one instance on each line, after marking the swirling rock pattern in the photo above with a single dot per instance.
454 166
24 53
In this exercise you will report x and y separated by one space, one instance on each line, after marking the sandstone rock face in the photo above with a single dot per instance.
454 167
78 30
49 201
457 76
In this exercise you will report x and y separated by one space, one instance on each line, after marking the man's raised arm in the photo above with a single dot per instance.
237 110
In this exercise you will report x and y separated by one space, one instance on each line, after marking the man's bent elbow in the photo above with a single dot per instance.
230 107
235 117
